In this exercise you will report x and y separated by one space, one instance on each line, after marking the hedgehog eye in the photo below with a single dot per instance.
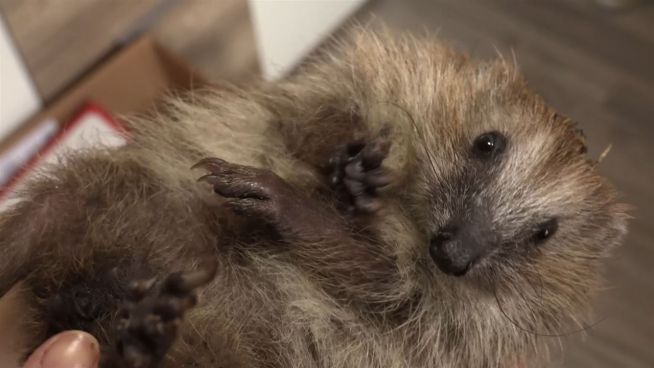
545 230
489 144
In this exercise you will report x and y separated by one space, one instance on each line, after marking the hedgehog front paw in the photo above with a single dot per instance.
150 318
260 193
247 190
357 174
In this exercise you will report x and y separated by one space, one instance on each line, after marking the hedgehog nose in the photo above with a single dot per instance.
452 254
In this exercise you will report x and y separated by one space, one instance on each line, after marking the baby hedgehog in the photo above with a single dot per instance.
393 204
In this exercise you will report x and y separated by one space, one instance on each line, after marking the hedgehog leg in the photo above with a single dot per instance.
357 174
262 195
151 316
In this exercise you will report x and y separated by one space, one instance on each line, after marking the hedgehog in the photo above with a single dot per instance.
394 203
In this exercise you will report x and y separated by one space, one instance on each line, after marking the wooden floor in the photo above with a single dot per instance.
593 65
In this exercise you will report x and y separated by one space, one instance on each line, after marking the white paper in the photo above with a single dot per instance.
22 152
91 132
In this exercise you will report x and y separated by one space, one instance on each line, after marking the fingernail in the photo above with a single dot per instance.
74 349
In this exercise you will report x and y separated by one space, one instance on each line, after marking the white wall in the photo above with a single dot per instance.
287 30
18 96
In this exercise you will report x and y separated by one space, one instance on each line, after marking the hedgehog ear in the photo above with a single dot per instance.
581 139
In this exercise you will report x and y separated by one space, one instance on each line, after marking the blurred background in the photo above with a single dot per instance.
593 60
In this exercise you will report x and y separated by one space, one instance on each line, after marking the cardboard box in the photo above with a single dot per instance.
92 127
127 82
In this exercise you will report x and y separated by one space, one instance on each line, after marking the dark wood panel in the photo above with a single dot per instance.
60 39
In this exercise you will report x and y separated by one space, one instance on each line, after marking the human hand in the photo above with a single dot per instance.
69 349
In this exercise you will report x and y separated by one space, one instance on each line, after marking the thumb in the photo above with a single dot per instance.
69 349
